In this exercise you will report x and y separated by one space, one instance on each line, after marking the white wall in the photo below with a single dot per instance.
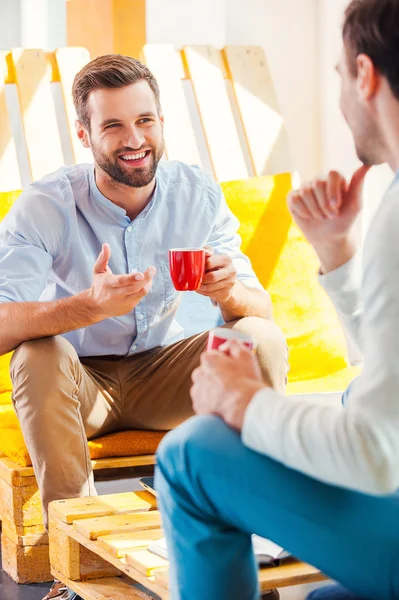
183 22
287 31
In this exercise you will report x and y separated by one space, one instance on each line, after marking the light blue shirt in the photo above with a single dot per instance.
52 236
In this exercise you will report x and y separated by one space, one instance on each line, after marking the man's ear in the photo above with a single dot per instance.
368 78
82 134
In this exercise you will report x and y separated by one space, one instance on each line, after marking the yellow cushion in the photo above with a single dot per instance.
124 443
5 380
8 417
7 199
287 266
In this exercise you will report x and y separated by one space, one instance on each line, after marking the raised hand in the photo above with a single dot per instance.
116 295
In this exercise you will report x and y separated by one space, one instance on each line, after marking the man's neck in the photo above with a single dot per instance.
390 131
132 200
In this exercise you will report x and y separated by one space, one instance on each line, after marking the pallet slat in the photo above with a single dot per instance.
257 103
146 562
74 509
94 528
33 76
121 544
291 573
10 179
205 67
166 64
69 61
109 588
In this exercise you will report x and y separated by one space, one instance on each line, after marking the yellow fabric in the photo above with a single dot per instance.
124 443
7 199
8 417
5 380
287 266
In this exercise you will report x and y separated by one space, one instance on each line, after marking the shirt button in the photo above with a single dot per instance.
140 317
134 347
129 228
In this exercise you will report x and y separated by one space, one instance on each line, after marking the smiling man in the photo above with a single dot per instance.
86 298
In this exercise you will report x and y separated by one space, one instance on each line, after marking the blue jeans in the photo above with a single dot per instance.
215 492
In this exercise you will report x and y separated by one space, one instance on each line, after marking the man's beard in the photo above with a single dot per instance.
136 177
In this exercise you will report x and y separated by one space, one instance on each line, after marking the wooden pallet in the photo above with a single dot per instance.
98 548
24 541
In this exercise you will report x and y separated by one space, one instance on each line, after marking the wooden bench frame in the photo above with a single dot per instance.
24 541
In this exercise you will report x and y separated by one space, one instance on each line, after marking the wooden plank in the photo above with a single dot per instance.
291 573
121 544
74 509
147 562
162 579
69 62
39 120
25 564
109 588
14 474
257 103
10 178
64 549
123 461
129 23
116 562
21 506
167 66
205 67
29 539
94 528
90 25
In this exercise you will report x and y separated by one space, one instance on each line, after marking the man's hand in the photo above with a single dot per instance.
116 295
325 211
220 277
226 382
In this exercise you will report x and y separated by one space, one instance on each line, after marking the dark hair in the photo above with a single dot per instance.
109 71
371 27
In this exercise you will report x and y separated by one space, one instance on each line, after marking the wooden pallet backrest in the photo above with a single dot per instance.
232 126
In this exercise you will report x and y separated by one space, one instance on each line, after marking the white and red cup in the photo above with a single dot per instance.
217 337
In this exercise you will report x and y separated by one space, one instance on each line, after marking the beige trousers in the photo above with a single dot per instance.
62 400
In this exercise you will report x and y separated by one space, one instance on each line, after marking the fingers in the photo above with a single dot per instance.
319 199
336 187
310 201
101 263
208 251
132 278
209 288
296 205
357 181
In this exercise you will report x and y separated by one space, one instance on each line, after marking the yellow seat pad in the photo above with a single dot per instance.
287 267
124 443
337 381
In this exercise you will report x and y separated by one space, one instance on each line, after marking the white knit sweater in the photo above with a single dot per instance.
355 447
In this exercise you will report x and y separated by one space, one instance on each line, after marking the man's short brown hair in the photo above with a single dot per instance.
371 27
109 71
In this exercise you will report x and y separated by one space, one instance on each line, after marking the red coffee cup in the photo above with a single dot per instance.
187 268
220 335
